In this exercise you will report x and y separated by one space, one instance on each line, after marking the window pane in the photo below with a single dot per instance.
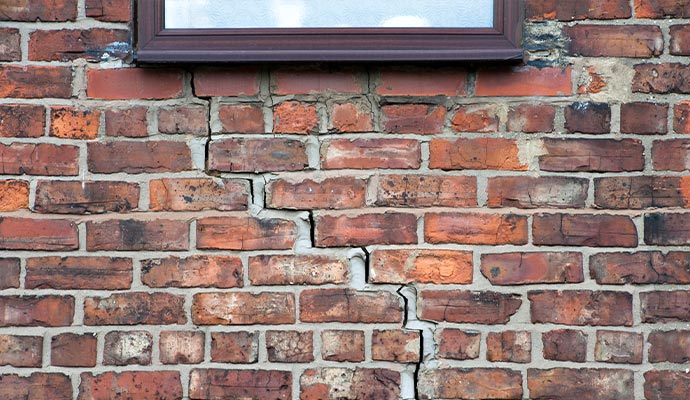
198 14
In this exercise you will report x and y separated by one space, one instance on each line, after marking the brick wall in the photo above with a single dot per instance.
346 231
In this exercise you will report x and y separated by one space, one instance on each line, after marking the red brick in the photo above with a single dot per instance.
531 118
489 229
297 270
482 153
109 10
36 234
36 310
192 194
681 118
183 120
243 308
526 81
133 83
475 118
455 344
129 122
286 81
245 233
343 383
9 273
98 273
509 346
365 229
14 195
22 120
179 347
240 384
21 351
235 347
161 385
581 383
581 307
644 118
351 117
139 157
74 123
137 235
638 41
680 40
241 119
537 192
39 159
664 307
295 117
41 10
464 306
421 266
290 346
72 44
39 386
135 308
35 82
592 155
565 345
671 155
619 347
194 271
661 78
532 268
235 81
648 267
666 229
86 197
257 155
396 346
426 191
342 346
371 153
584 230
640 192
668 346
588 118
438 82
666 385
591 81
569 10
307 194
348 305
10 48
465 383
413 118
73 350
661 9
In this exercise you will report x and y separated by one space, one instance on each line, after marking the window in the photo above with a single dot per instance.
317 30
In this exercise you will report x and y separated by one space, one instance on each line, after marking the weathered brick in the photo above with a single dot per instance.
140 157
532 268
681 118
680 40
584 230
619 347
36 310
14 195
235 347
35 82
71 44
161 385
661 78
470 383
10 47
525 81
236 81
191 120
666 385
667 229
243 308
476 118
290 80
290 346
39 10
181 347
21 351
671 155
97 273
640 192
240 384
74 123
109 10
9 273
295 117
257 155
307 194
569 10
73 350
661 9
39 386
342 383
483 153
127 348
365 229
665 307
350 117
36 234
637 41
74 197
413 118
588 117
137 235
297 270
537 192
39 159
463 306
565 345
128 122
22 120
644 118
342 346
195 194
669 346
509 346
489 229
421 266
640 268
456 344
135 308
531 118
426 191
348 305
371 153
245 233
582 383
431 82
241 118
194 271
133 83
581 307
396 346
592 155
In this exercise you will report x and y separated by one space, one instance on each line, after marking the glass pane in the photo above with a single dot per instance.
197 14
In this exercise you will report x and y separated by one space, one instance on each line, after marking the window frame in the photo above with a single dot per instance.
155 44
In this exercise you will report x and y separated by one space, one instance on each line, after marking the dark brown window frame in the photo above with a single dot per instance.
157 44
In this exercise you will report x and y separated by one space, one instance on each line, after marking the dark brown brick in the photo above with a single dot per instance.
74 197
413 118
644 118
39 386
671 155
667 229
661 78
565 345
135 308
581 307
661 9
36 310
531 118
35 82
257 155
663 307
455 344
137 235
109 10
640 192
669 346
161 385
240 384
73 350
235 347
666 385
584 230
463 306
532 268
509 346
128 122
637 41
241 119
569 10
588 118
365 229
592 155
98 273
36 234
39 159
21 351
347 305
640 268
39 10
9 273
10 47
139 157
71 44
189 120
619 347
22 120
